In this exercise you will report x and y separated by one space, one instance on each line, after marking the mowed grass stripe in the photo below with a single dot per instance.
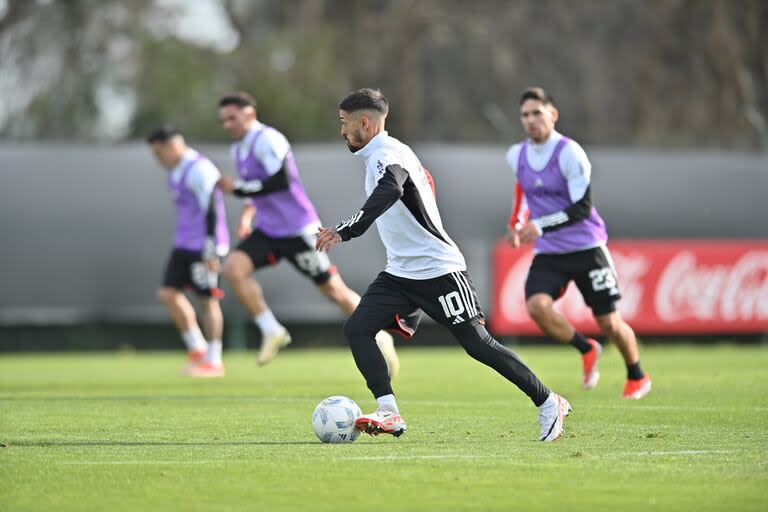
125 432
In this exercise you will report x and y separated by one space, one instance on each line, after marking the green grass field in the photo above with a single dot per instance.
124 431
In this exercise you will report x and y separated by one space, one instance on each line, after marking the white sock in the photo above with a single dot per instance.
194 340
387 403
551 401
267 323
214 352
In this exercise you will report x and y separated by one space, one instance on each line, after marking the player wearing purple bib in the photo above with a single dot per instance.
201 239
285 225
554 210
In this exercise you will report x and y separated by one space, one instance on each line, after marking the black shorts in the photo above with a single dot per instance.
186 270
592 270
395 303
300 251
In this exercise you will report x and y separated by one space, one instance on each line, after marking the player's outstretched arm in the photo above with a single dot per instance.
388 191
254 188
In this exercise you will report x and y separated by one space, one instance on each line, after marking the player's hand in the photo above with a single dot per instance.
529 233
227 184
244 230
513 238
245 226
213 265
326 239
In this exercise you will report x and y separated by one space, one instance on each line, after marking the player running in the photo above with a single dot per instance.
201 239
285 225
425 271
553 189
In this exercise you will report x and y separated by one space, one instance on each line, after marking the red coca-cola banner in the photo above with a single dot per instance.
667 287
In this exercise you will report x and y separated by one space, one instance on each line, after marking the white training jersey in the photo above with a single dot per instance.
411 229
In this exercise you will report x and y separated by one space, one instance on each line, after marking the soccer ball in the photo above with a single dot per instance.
334 420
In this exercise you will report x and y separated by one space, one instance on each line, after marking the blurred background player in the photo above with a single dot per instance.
425 271
201 239
285 225
553 189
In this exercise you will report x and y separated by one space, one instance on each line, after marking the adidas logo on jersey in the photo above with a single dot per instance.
538 183
457 320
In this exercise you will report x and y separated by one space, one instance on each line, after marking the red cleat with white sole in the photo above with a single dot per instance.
635 389
381 422
207 370
195 359
589 363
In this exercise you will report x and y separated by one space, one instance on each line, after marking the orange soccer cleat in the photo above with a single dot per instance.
589 362
207 370
635 389
195 359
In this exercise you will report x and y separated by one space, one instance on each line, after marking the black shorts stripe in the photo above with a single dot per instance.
470 292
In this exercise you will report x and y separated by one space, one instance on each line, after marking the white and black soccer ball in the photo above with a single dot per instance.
334 420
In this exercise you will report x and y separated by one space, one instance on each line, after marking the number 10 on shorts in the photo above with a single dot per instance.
452 305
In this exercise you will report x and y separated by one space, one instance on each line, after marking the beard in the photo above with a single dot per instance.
354 148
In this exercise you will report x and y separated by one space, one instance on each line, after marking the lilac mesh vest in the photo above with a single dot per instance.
279 214
546 192
190 218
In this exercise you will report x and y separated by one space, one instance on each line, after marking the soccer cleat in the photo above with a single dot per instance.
381 422
552 415
206 370
387 347
271 344
635 389
196 358
589 360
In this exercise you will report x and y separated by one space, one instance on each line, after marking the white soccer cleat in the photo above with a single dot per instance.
271 344
387 347
381 422
552 415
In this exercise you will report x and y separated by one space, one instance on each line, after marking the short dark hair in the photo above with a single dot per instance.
365 99
163 134
537 93
240 99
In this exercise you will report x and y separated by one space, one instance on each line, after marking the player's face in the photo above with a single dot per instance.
164 154
352 129
538 119
236 120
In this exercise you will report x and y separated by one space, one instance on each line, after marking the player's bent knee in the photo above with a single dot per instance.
210 304
474 339
538 310
237 267
610 325
332 290
166 294
356 329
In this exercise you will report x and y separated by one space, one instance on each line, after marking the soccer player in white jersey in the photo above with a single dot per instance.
554 211
425 271
285 225
201 239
